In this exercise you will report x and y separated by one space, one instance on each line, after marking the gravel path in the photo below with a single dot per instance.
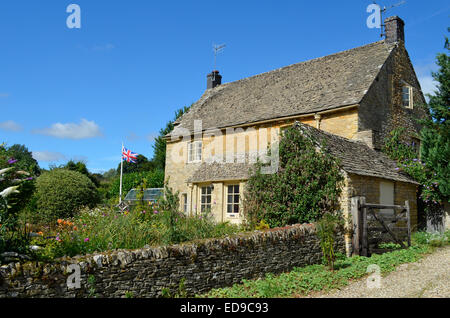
429 277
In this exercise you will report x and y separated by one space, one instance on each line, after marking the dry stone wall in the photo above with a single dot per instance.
202 265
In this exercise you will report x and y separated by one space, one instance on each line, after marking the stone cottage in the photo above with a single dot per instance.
353 99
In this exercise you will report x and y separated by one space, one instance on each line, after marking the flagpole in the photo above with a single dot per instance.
121 172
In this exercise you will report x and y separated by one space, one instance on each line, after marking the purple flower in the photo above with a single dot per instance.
12 160
86 239
155 212
29 178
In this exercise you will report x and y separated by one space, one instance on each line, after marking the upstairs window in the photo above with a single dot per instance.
407 96
195 151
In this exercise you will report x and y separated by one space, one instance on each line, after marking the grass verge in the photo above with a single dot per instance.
314 278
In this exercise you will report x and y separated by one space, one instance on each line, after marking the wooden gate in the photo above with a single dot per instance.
367 221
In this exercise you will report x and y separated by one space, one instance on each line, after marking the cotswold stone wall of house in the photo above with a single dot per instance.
146 272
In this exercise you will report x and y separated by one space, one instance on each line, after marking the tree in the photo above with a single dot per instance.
307 185
435 134
142 164
80 166
432 170
25 160
159 147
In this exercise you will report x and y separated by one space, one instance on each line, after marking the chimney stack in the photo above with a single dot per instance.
213 79
394 29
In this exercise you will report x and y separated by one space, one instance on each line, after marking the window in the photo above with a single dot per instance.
387 196
185 202
407 97
206 199
195 151
233 199
415 143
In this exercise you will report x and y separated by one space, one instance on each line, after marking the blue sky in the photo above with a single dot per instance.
78 93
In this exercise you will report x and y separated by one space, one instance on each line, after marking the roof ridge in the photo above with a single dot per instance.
302 62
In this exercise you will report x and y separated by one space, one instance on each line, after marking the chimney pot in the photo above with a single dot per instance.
213 79
394 29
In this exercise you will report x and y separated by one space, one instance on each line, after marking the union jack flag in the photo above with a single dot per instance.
128 155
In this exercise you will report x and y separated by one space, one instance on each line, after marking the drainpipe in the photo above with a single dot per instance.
318 118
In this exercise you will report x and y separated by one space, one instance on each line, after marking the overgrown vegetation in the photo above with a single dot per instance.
318 278
432 169
307 184
15 188
102 229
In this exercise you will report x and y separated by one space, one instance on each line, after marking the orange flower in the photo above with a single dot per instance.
75 228
60 221
40 233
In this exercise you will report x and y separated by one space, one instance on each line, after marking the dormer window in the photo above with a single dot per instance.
194 151
407 96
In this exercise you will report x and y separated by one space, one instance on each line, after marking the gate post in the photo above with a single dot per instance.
364 237
356 220
408 216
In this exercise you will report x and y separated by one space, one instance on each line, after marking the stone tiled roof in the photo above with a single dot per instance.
356 157
324 83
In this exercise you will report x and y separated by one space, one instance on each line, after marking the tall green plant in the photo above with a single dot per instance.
170 205
327 229
12 181
307 184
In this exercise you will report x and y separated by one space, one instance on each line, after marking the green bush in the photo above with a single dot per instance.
60 193
307 184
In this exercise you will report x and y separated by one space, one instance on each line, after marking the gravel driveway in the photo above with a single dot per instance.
429 277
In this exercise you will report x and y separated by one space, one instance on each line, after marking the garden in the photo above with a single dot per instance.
61 212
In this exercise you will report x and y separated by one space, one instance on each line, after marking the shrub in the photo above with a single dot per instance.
307 184
13 182
327 229
61 193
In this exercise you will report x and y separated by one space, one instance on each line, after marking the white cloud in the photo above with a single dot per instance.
132 137
428 84
104 47
151 137
10 125
85 129
48 156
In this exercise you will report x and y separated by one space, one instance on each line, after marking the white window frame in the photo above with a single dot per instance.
194 151
206 205
410 96
233 194
184 198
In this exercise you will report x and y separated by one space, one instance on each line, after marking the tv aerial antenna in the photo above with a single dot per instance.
383 11
217 49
